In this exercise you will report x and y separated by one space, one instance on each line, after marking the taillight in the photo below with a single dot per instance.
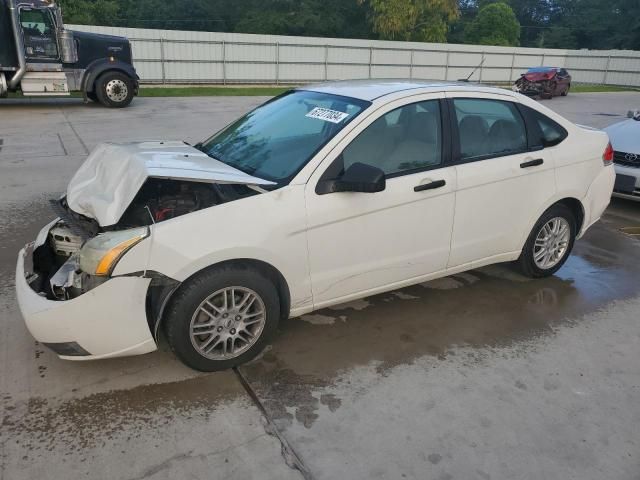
607 156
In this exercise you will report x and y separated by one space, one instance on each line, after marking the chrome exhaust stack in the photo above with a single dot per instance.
17 36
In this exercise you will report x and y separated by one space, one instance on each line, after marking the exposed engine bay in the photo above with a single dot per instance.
56 261
160 199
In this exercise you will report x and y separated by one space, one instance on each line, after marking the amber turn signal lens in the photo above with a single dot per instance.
112 256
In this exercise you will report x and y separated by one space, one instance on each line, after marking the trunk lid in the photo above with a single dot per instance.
109 179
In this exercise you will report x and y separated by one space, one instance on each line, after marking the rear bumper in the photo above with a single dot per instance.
106 322
598 197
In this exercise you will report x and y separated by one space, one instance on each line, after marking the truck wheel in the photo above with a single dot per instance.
114 90
222 317
92 96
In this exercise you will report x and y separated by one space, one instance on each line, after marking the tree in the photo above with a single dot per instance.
599 24
321 18
90 12
418 20
557 37
495 24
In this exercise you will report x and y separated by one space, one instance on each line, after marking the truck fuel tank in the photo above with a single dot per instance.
45 83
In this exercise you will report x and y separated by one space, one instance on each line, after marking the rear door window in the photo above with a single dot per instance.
489 128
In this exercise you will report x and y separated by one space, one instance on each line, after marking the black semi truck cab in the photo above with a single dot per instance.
41 58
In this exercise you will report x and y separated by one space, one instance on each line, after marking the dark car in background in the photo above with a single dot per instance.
544 82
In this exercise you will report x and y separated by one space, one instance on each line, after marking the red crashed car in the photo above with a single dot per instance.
545 82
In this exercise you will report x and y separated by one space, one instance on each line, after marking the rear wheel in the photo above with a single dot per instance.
114 89
549 243
222 318
565 92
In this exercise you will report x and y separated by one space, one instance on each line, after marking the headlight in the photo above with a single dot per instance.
100 254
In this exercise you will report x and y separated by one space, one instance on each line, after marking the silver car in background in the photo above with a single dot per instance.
625 139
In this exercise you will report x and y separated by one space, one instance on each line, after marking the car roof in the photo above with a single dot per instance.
542 69
370 89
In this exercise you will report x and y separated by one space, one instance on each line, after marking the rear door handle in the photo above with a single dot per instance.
532 163
430 186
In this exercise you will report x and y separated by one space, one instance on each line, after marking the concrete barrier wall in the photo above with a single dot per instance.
169 56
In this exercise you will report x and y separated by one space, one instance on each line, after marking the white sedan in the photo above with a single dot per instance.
325 194
625 138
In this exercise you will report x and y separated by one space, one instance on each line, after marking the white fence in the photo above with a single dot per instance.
167 56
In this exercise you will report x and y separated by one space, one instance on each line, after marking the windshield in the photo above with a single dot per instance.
277 139
541 69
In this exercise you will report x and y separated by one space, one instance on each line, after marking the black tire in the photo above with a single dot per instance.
92 96
192 294
110 89
526 262
565 92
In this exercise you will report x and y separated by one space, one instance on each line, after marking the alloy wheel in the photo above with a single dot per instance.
117 90
551 243
227 323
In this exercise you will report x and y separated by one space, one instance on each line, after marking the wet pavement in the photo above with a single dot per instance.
485 374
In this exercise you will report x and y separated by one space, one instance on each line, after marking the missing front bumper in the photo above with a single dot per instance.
108 321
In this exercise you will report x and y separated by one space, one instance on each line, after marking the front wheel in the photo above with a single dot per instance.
549 244
222 318
92 96
115 89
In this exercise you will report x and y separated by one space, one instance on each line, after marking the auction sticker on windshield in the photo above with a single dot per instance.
327 115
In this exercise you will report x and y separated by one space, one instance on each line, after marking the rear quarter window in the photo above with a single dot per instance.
546 132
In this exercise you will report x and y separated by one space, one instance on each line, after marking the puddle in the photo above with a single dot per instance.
41 424
490 308
486 308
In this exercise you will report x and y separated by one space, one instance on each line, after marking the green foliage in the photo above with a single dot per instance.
495 24
418 20
321 18
90 12
595 24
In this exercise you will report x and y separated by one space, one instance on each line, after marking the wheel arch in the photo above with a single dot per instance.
100 67
576 208
571 202
268 270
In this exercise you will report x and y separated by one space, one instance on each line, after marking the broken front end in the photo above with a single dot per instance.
72 296
535 86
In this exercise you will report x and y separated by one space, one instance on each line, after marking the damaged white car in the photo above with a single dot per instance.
325 194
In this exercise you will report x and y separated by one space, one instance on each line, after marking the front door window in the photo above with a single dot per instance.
404 140
39 34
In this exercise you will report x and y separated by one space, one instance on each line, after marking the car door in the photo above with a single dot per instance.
503 178
562 81
362 243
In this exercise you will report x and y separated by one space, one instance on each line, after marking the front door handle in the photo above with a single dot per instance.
532 163
430 185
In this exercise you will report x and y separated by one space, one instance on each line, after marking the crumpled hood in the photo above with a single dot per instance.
625 136
109 179
538 76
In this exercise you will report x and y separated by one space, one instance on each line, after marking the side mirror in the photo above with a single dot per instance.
359 177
